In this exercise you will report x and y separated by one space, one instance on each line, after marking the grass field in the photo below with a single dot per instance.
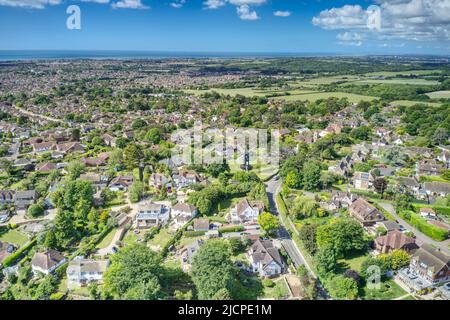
402 73
439 95
408 103
325 95
279 290
14 237
399 81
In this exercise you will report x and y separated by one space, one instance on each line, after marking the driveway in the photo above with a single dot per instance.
421 238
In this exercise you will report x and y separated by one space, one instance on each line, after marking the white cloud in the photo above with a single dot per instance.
282 14
350 36
96 1
420 20
214 4
178 4
245 13
242 7
34 4
129 4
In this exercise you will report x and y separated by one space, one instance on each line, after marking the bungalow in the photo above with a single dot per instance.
427 213
97 181
437 189
81 272
121 183
395 240
46 167
201 224
70 147
183 212
265 259
408 185
365 213
110 141
246 211
100 160
24 199
46 262
428 168
43 146
151 214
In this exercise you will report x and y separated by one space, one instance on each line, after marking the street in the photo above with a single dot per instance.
422 238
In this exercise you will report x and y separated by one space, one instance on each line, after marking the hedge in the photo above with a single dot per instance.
11 259
423 226
193 234
231 229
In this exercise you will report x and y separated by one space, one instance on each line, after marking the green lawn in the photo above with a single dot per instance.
130 238
399 81
408 103
161 238
353 262
107 239
325 95
14 237
279 290
388 290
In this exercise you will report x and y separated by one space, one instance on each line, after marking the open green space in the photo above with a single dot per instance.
14 237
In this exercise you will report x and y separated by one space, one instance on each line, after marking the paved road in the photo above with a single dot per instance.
422 238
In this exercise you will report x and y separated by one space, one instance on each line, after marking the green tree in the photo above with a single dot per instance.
153 135
134 273
132 156
342 288
294 180
35 210
343 234
326 260
212 268
50 241
311 176
268 222
399 259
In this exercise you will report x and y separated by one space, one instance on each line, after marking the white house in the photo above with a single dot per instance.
265 259
81 272
46 262
246 211
183 212
151 214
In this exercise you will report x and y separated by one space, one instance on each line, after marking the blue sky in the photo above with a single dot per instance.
407 26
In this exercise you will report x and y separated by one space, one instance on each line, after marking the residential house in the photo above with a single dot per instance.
408 185
428 168
6 197
445 157
437 189
341 200
43 146
121 183
158 180
98 161
46 262
110 141
246 211
188 254
183 212
46 167
70 147
363 180
265 259
185 179
151 214
428 267
201 224
427 213
365 213
81 272
395 240
24 199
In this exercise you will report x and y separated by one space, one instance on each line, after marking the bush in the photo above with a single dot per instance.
57 296
231 229
193 234
268 283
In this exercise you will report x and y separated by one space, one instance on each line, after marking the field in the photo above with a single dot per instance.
407 103
439 95
325 95
402 73
399 81
14 237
